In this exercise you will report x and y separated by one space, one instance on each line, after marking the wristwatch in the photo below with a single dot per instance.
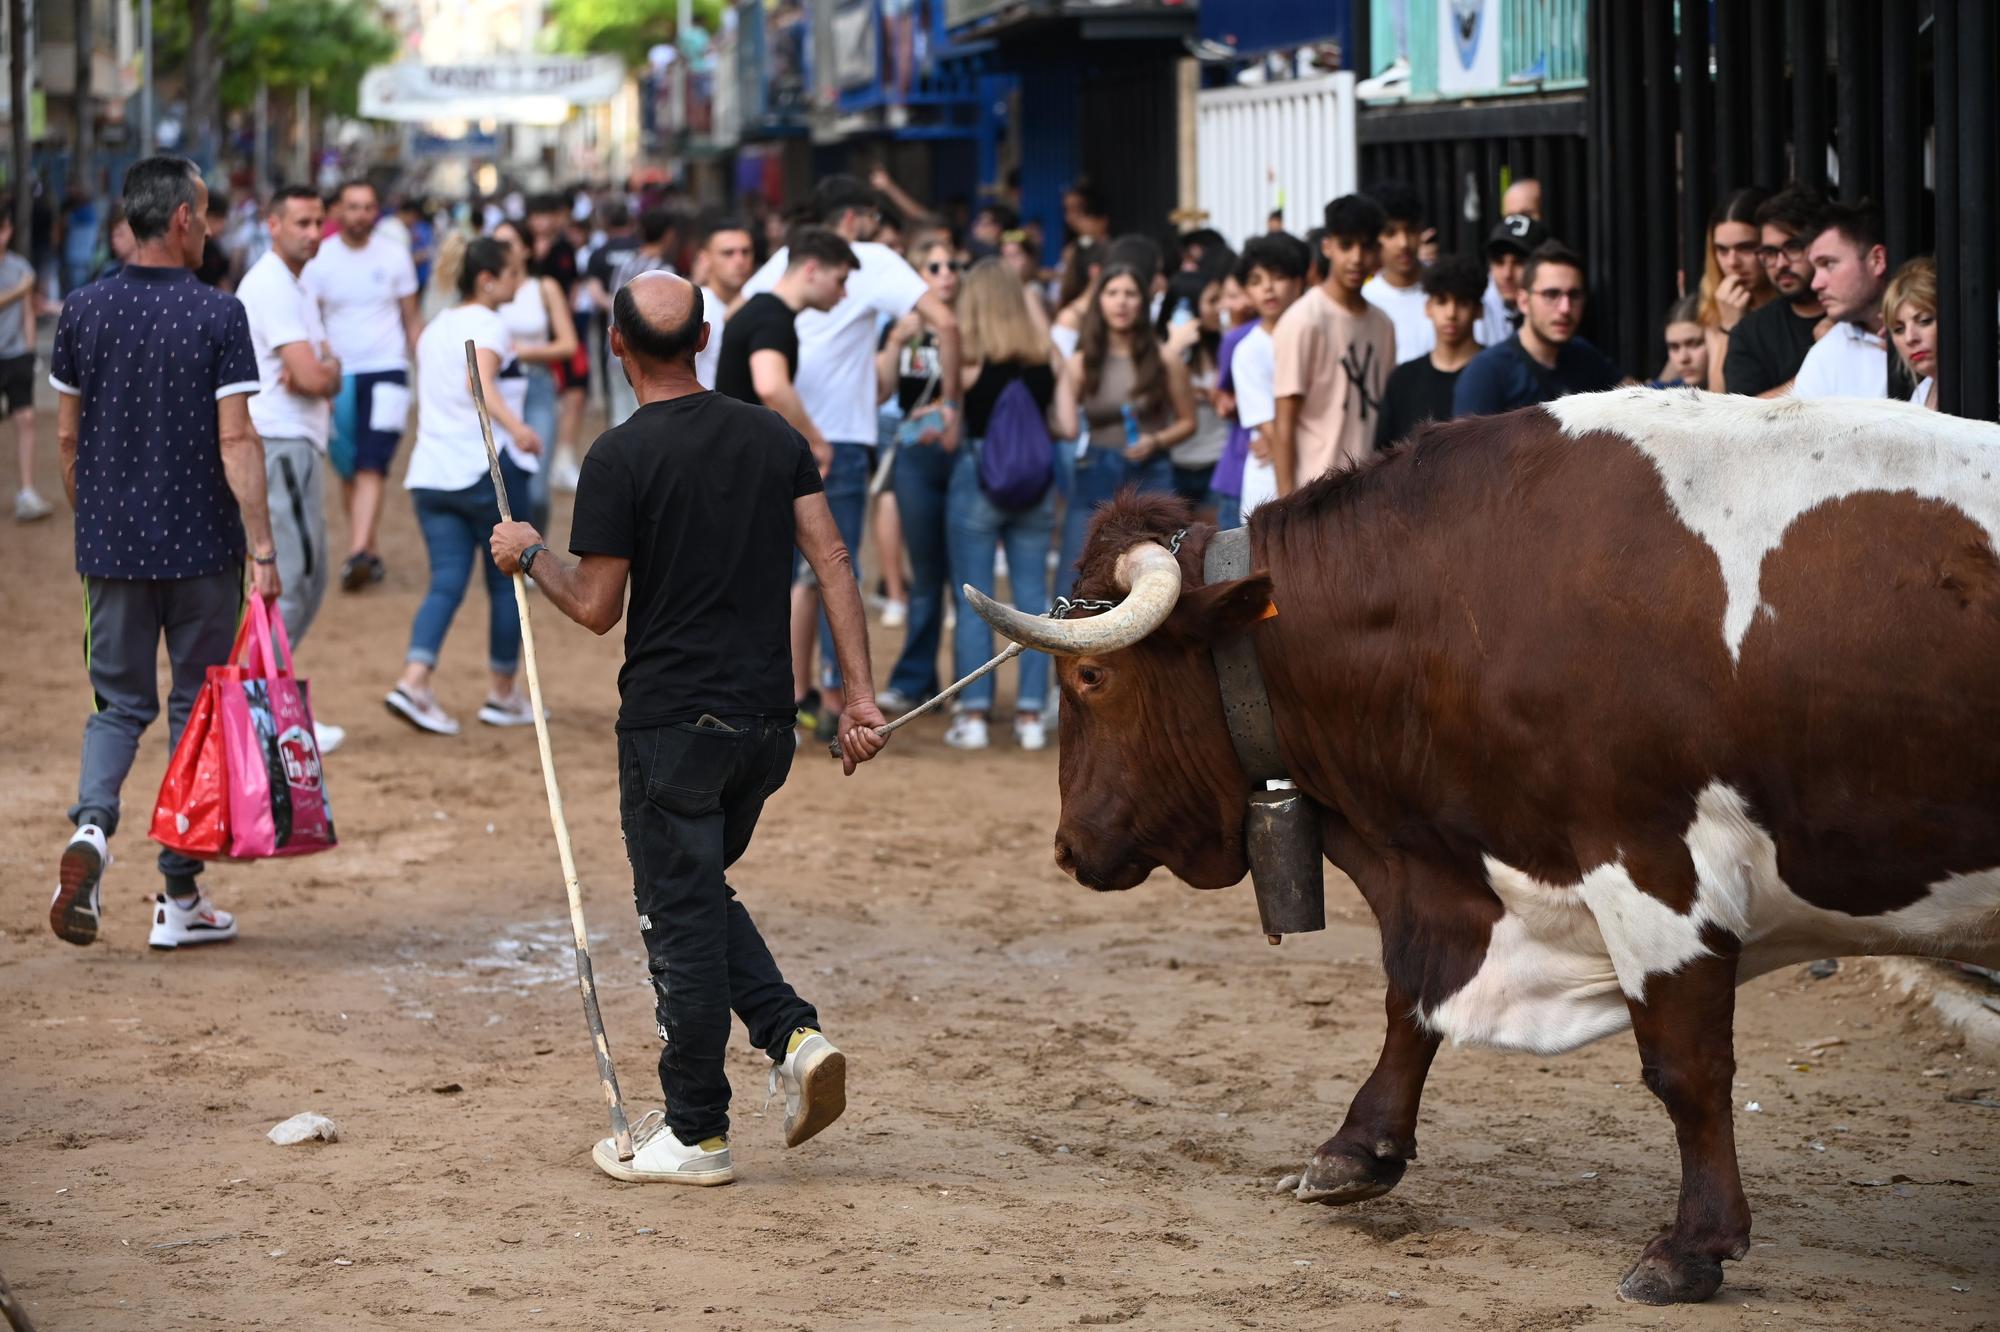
528 557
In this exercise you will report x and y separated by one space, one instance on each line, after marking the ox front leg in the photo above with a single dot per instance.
1687 1056
1367 1157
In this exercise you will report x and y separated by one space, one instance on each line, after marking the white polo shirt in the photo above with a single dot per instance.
282 312
837 347
1849 362
358 292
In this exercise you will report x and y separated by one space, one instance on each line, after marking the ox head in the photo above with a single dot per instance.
1147 771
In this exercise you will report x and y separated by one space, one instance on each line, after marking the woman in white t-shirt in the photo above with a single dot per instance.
451 486
1909 316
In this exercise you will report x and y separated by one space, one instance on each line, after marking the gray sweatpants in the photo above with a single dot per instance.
125 619
292 470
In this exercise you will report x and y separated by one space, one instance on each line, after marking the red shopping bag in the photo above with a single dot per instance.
192 814
248 784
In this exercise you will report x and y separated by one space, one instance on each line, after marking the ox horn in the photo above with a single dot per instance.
1147 573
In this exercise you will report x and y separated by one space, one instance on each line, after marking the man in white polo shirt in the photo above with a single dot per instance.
836 379
366 286
1850 269
297 378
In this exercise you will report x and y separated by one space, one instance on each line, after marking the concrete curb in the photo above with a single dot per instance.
1958 998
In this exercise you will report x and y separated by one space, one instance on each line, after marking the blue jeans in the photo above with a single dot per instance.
457 525
975 527
1228 510
847 495
540 413
923 479
1095 477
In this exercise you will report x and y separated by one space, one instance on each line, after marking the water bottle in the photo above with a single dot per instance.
1131 426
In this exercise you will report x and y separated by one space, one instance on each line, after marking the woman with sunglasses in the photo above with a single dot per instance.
907 369
544 336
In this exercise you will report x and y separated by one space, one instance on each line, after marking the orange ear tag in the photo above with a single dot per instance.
1270 611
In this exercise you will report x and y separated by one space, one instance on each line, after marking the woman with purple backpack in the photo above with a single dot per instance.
1001 491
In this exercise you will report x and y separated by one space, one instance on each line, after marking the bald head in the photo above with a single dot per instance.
658 316
1523 196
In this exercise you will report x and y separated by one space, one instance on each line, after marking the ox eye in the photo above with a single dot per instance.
1089 677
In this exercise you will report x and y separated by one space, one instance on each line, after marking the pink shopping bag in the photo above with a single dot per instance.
277 793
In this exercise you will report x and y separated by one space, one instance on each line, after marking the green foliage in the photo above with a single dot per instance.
624 28
324 45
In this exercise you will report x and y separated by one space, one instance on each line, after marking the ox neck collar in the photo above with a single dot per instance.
1246 703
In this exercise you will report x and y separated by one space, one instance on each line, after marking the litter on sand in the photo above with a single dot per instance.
304 1127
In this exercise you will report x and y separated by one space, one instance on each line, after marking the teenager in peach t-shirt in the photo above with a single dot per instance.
1334 353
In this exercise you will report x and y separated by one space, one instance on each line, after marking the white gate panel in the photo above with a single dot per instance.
1289 142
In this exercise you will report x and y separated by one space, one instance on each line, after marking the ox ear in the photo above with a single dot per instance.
1219 610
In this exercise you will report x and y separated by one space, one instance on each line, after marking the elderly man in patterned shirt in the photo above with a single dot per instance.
166 476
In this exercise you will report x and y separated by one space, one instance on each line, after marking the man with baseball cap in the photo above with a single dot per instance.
1507 251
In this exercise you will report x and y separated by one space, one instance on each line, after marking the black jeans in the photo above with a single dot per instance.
689 797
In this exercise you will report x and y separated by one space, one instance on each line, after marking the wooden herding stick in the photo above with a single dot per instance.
621 1132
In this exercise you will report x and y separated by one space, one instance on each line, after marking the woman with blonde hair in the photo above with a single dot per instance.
1001 348
1909 315
1733 280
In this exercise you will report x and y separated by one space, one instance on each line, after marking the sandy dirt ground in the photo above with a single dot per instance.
1065 1109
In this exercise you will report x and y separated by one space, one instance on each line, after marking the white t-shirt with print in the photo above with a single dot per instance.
1415 334
449 454
1849 362
358 292
837 347
281 312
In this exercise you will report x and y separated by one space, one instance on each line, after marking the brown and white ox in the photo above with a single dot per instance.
1612 705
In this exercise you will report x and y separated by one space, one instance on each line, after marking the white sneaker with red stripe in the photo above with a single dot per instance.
199 922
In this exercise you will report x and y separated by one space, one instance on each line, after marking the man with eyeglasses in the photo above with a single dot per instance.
1545 359
1768 345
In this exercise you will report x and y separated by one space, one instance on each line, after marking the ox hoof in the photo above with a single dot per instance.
1348 1174
1669 1278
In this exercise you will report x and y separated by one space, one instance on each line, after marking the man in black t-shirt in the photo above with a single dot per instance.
1421 390
698 501
760 346
1768 345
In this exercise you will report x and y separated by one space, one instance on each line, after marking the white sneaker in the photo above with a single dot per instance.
1031 734
814 1078
75 910
966 732
661 1158
176 926
424 714
895 614
328 737
28 506
514 710
564 471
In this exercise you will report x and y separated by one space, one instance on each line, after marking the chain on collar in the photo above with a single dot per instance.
1066 606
